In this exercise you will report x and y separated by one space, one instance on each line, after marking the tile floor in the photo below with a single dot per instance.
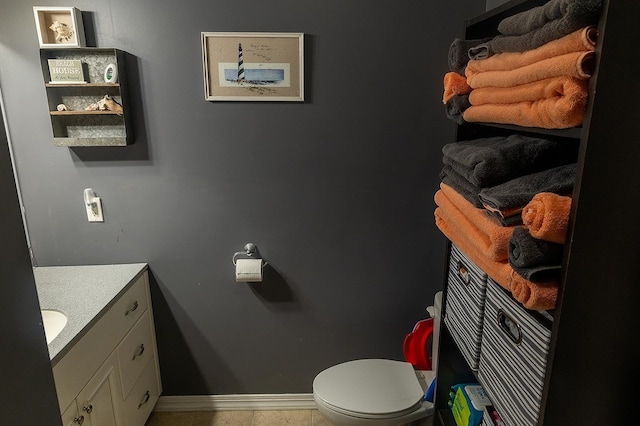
239 418
247 418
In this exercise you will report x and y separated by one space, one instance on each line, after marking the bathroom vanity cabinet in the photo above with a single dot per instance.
75 125
110 376
592 350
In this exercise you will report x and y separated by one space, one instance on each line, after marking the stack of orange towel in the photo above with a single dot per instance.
545 87
487 243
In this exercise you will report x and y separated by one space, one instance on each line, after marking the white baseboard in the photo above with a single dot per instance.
290 401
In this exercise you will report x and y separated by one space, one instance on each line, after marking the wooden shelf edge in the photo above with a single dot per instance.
65 85
71 113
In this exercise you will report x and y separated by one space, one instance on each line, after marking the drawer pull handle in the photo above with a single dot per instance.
510 327
88 409
79 420
139 352
144 400
133 308
463 272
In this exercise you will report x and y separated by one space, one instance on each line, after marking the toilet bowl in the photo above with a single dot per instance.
377 392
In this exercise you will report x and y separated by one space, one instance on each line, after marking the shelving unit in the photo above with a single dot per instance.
77 126
593 352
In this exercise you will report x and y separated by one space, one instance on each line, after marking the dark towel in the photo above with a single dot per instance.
519 191
535 27
491 161
536 260
461 185
459 53
514 220
559 13
456 106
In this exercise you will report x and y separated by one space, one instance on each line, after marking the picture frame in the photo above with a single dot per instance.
59 27
240 66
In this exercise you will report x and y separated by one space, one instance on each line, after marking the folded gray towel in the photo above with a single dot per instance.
456 106
534 259
491 161
519 191
461 185
458 53
535 27
563 13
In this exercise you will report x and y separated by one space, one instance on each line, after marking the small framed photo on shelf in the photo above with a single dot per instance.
253 66
59 27
66 71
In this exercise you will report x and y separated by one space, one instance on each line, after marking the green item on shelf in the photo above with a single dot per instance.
468 402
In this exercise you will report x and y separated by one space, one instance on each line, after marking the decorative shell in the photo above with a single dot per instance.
62 107
105 104
109 104
62 32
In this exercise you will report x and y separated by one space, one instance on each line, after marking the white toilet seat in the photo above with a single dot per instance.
374 390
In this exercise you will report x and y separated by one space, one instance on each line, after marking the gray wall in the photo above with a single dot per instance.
27 391
494 3
336 192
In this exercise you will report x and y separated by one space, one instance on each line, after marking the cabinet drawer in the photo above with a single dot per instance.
134 353
143 396
130 307
513 359
464 308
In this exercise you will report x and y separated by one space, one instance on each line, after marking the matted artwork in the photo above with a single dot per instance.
253 66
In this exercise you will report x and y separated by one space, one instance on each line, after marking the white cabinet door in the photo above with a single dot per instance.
99 401
70 416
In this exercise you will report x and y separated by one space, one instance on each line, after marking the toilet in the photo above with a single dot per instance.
376 392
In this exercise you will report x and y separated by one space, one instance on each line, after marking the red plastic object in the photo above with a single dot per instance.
415 345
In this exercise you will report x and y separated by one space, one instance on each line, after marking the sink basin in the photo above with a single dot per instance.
54 322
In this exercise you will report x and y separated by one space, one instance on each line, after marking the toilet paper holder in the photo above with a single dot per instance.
250 252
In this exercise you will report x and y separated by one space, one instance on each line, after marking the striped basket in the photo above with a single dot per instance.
486 421
515 344
464 305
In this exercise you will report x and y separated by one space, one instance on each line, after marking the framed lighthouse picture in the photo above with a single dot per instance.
253 66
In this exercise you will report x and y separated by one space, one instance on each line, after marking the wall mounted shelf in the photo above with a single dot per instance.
77 126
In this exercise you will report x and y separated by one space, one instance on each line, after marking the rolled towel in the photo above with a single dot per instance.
549 88
487 162
455 106
454 84
582 40
465 188
562 112
535 296
520 191
547 216
534 259
478 229
561 14
459 53
574 64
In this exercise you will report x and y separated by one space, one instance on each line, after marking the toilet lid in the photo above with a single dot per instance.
370 387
